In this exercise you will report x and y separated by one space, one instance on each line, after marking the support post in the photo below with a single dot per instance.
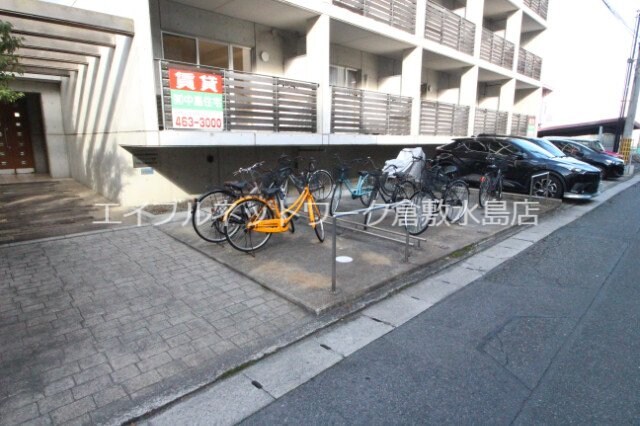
333 254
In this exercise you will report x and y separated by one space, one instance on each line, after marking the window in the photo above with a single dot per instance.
213 54
178 48
204 52
476 146
503 148
344 77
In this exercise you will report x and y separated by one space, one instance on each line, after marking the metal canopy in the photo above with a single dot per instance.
60 40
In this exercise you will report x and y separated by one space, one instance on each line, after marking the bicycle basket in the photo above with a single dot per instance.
342 173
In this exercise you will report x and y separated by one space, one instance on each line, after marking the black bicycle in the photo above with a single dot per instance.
491 183
440 193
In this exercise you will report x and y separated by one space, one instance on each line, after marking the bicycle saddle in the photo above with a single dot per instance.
269 192
238 185
373 173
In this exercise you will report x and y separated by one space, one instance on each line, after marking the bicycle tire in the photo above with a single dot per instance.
388 185
409 189
241 214
369 184
208 213
424 205
484 193
318 226
335 199
455 200
321 184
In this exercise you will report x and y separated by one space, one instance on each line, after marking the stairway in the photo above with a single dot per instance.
43 209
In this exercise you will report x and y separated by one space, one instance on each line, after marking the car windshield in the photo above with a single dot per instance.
532 148
548 146
596 146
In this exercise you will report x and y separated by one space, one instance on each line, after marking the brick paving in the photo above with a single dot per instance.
99 328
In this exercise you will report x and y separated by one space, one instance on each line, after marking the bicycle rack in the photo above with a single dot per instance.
534 179
407 237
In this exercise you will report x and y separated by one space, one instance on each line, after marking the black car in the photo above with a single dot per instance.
522 163
610 166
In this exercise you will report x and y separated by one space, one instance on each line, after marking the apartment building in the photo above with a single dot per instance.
152 100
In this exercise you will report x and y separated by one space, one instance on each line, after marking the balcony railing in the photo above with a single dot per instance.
520 124
496 49
252 101
529 64
397 13
365 112
490 121
447 28
443 119
541 7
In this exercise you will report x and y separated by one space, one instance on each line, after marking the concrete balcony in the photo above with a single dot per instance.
541 7
490 121
443 119
445 27
400 14
497 50
248 101
520 124
370 113
529 65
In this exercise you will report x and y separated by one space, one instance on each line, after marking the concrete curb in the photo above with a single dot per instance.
270 378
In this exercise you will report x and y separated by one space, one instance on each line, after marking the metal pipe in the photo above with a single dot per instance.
334 253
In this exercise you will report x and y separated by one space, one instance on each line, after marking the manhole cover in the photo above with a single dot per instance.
344 259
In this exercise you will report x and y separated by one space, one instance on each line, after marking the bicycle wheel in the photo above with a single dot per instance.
241 216
335 199
408 188
422 211
455 200
321 184
369 184
485 190
318 224
388 184
208 213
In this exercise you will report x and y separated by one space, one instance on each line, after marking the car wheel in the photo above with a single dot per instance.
603 173
549 187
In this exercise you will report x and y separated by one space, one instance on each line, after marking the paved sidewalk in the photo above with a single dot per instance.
100 328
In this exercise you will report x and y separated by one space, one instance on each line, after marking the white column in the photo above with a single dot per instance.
421 10
475 13
318 47
410 84
507 96
512 33
469 93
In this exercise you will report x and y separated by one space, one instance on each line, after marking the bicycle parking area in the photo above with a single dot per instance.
298 267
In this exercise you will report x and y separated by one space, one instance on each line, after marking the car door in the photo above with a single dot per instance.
517 165
476 159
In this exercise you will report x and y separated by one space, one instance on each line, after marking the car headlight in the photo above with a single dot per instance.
608 162
572 169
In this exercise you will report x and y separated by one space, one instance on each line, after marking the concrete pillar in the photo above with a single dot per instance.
512 33
469 93
318 48
410 83
475 14
507 96
421 15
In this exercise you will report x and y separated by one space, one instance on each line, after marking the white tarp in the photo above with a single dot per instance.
405 162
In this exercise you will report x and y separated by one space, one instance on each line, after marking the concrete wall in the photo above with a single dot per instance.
489 95
378 72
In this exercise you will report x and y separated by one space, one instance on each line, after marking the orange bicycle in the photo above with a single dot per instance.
250 221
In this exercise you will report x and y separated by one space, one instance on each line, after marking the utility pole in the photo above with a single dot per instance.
633 102
621 127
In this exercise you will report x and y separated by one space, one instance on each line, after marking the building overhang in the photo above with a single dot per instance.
59 40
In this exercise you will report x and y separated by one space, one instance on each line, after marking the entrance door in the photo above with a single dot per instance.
16 152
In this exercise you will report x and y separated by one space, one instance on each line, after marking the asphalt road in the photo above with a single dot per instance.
551 336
